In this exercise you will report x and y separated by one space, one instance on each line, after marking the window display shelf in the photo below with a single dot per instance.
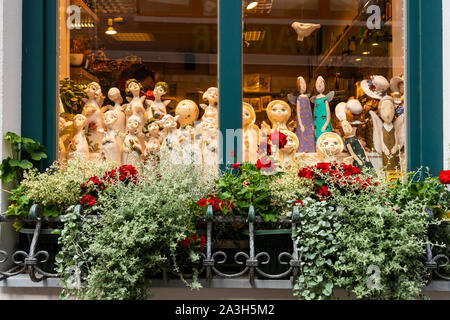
81 75
86 9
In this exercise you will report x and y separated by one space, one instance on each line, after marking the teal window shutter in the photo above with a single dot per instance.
230 77
424 84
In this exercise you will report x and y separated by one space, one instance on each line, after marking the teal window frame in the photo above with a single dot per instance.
423 75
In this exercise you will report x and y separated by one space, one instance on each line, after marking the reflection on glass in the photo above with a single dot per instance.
337 66
134 79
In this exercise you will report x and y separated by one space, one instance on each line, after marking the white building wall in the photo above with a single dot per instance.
446 91
10 93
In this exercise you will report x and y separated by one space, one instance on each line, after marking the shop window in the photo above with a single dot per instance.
129 70
325 72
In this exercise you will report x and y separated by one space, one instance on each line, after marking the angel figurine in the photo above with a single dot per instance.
153 144
158 108
112 145
279 113
330 148
251 134
170 145
63 125
79 144
135 108
388 135
322 113
132 147
92 112
289 151
210 142
305 123
121 123
212 109
355 147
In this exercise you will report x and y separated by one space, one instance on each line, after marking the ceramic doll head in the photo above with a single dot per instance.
301 84
169 122
115 96
386 109
110 119
248 115
212 96
93 90
80 121
341 111
279 111
209 126
161 88
133 124
63 124
330 144
188 112
133 87
320 85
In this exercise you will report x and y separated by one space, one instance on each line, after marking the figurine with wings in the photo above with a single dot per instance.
388 135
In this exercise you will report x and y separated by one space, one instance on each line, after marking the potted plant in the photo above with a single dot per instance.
72 97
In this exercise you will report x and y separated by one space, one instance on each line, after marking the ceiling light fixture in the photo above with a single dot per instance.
111 31
375 44
366 53
252 5
358 59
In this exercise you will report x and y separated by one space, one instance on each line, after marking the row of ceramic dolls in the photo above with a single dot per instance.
314 129
136 131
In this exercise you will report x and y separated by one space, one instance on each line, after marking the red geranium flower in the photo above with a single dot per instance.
263 163
202 202
202 242
307 173
444 177
324 167
235 166
128 173
299 201
88 201
194 237
278 138
185 243
323 192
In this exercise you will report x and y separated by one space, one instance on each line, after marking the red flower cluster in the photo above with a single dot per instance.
299 201
126 173
98 184
186 243
215 203
278 138
323 193
88 201
332 169
444 177
235 166
263 163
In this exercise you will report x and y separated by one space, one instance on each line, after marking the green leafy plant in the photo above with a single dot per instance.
27 154
137 233
247 186
72 96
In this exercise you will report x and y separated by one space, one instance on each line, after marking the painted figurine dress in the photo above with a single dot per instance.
306 139
320 116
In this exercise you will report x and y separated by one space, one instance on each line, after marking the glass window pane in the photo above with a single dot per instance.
324 70
127 69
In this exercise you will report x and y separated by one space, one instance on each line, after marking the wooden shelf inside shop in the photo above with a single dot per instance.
86 9
77 73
